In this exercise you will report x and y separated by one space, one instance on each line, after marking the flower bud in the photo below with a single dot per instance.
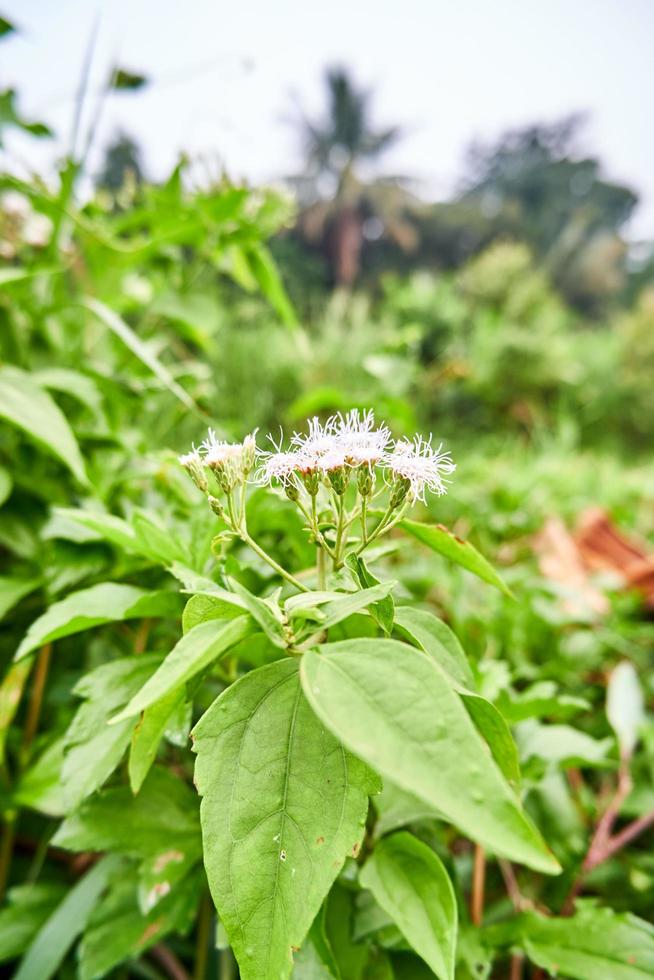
192 463
249 454
311 481
365 480
216 506
339 478
400 489
292 491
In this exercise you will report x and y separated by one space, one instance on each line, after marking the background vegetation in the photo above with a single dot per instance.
511 321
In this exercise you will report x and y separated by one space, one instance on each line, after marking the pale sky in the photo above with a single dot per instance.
225 76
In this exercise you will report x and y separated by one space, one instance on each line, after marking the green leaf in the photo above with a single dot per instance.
266 275
432 635
39 787
410 882
561 745
283 805
384 610
625 706
105 603
66 923
440 539
93 749
6 484
196 650
492 725
122 80
203 608
117 931
396 709
26 405
79 386
148 734
397 808
138 348
12 590
6 27
11 691
339 609
163 815
27 909
268 618
595 943
105 527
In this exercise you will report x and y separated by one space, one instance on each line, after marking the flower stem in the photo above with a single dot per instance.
245 537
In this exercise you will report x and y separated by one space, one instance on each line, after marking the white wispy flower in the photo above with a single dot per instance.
281 467
218 452
343 440
190 459
421 465
319 441
359 440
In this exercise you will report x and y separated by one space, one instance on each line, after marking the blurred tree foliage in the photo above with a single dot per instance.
122 164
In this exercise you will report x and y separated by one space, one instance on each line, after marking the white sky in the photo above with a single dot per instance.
224 76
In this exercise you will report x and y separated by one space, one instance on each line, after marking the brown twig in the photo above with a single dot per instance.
167 959
478 886
142 634
604 843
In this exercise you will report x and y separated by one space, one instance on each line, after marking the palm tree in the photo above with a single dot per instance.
335 200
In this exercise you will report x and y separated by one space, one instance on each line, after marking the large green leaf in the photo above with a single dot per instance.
446 543
283 805
397 710
66 923
595 943
410 882
105 603
196 650
26 405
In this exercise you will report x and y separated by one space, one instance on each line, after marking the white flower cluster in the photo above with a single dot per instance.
230 462
353 441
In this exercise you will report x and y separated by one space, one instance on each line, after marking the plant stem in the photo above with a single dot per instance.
364 521
322 569
6 850
271 561
36 698
167 959
339 532
604 844
478 886
203 937
227 965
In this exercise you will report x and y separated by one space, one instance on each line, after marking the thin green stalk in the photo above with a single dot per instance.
340 527
271 561
322 569
364 521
